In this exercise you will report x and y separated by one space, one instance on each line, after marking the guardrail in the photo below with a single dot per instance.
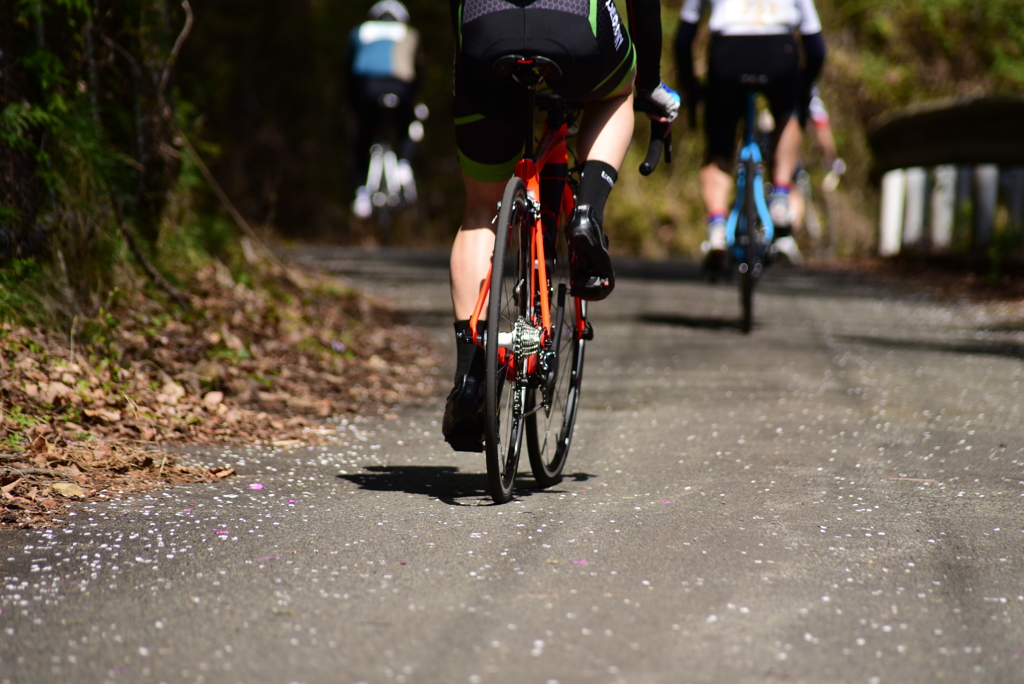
946 170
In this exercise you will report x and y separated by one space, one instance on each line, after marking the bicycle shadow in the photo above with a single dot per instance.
445 483
696 322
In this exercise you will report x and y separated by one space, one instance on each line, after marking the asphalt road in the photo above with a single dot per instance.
837 497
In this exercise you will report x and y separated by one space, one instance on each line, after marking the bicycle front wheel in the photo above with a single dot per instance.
506 395
551 408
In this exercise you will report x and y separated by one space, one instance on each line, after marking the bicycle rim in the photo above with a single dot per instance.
503 429
750 265
549 424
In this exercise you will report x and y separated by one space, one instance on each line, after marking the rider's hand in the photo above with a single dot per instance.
661 103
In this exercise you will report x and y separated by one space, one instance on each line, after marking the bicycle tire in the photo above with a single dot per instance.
749 266
549 425
505 401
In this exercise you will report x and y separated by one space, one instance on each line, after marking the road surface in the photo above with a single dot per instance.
837 497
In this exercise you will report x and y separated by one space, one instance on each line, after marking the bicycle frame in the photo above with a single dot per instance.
751 165
552 149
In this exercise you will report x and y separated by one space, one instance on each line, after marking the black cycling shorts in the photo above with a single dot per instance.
592 48
767 64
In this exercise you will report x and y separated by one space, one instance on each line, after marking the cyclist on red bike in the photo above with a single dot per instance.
753 46
383 81
596 60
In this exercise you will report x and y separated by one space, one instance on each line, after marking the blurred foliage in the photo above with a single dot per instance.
86 147
90 129
270 80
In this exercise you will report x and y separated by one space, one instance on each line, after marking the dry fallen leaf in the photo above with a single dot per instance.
68 490
212 399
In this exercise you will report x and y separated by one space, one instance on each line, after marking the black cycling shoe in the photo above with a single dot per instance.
463 424
715 266
590 267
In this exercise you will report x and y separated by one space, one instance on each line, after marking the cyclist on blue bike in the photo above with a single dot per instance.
598 58
383 82
753 46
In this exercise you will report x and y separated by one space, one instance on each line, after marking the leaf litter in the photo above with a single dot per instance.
273 364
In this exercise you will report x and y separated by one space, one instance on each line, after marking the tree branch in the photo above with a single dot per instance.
165 77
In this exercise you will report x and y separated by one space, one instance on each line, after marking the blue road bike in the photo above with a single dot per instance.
749 231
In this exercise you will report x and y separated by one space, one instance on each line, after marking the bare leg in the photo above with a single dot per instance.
787 153
474 244
607 129
715 187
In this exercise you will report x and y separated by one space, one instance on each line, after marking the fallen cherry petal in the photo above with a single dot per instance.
256 486
663 501
291 502
403 563
581 562
268 558
222 532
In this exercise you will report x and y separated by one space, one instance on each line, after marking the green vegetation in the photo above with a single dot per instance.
101 100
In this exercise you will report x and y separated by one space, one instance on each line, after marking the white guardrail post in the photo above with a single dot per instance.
913 212
894 186
943 207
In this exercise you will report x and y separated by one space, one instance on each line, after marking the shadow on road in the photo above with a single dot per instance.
699 322
444 483
1008 350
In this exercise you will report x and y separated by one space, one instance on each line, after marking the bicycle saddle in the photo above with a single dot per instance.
527 71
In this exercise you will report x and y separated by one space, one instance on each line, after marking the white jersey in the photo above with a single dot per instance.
755 17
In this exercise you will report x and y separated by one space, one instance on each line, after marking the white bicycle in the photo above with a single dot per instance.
390 183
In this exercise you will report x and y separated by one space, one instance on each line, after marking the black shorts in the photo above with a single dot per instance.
774 64
591 48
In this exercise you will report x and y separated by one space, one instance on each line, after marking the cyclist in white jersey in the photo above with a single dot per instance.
753 44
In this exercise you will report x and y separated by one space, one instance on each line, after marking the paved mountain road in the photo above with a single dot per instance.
837 497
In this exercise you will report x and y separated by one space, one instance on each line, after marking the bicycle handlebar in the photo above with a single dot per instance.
661 140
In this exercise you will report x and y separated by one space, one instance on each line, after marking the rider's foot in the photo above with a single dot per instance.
714 247
406 180
362 206
590 266
463 423
779 210
787 247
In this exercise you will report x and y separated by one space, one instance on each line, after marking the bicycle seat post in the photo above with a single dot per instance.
748 136
531 99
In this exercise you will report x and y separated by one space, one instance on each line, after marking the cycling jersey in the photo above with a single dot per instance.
384 49
755 17
588 40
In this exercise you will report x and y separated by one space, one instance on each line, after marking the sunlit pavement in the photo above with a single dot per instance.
837 497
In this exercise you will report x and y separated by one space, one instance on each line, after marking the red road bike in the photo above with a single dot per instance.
535 331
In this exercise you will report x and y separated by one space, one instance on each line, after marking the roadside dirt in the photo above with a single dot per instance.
91 411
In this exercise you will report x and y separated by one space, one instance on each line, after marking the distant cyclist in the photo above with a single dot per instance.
597 61
384 56
753 46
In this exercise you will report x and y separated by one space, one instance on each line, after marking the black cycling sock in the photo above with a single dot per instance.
596 181
469 359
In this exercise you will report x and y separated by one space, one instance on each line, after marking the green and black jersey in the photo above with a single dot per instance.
595 51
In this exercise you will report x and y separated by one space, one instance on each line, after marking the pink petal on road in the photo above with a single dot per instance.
291 502
256 486
663 501
580 562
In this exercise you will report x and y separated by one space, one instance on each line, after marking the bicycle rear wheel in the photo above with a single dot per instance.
506 395
551 409
750 267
